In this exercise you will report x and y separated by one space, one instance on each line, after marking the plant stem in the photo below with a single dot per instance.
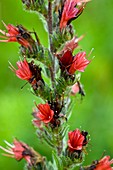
59 147
50 29
50 19
59 141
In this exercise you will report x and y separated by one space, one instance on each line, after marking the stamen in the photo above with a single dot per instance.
3 40
80 38
11 67
3 32
6 150
90 52
11 156
3 36
8 144
5 25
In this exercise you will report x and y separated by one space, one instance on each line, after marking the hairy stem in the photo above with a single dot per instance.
50 29
59 141
50 18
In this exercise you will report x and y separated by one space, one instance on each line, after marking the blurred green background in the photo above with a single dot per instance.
94 114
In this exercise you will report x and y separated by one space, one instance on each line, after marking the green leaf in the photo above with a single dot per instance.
64 130
57 162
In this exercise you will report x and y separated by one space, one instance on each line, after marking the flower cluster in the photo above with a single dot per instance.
53 77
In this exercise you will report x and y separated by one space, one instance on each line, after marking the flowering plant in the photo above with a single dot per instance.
61 66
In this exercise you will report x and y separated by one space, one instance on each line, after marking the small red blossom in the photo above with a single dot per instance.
14 35
72 9
44 113
18 150
104 164
76 140
23 71
79 63
73 63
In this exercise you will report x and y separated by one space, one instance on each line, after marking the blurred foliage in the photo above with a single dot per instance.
93 114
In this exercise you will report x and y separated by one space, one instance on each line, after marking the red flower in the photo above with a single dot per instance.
23 71
104 164
18 150
14 35
66 60
44 113
72 9
79 63
76 140
73 63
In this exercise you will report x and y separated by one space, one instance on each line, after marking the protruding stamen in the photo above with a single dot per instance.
11 67
6 150
11 146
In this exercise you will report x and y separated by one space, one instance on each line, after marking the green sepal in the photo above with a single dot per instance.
39 53
58 39
44 92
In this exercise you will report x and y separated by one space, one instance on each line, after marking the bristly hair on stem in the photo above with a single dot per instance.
50 29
